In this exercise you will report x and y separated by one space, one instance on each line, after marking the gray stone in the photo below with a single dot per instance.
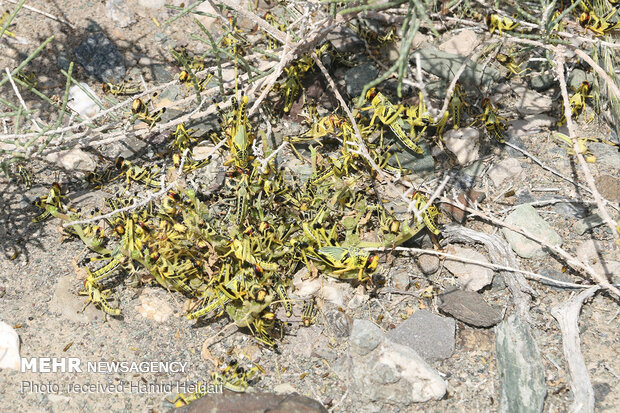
531 102
588 223
161 74
358 77
516 141
577 77
476 169
344 39
472 277
381 372
555 275
469 307
569 208
525 216
99 57
522 376
606 155
430 335
120 13
596 254
428 263
530 125
400 280
339 324
463 143
421 164
505 169
542 82
445 65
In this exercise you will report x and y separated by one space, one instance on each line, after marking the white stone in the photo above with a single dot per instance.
81 103
73 160
463 143
463 44
152 4
120 13
471 276
154 308
9 347
508 168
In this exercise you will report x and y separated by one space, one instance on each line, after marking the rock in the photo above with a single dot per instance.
152 4
430 335
253 402
463 44
9 347
475 170
428 263
358 77
81 103
606 155
162 75
471 276
522 375
530 125
593 252
73 160
588 223
383 372
601 390
154 308
99 57
609 187
525 216
466 198
542 82
463 143
338 323
555 275
576 78
420 164
516 141
445 65
400 280
507 168
319 287
531 102
345 39
469 307
120 13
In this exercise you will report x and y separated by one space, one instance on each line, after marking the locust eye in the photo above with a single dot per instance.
119 162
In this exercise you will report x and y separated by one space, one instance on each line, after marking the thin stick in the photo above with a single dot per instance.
21 100
553 171
529 274
51 16
559 68
572 261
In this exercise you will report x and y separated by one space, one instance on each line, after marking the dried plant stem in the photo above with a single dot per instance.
570 260
559 68
567 315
